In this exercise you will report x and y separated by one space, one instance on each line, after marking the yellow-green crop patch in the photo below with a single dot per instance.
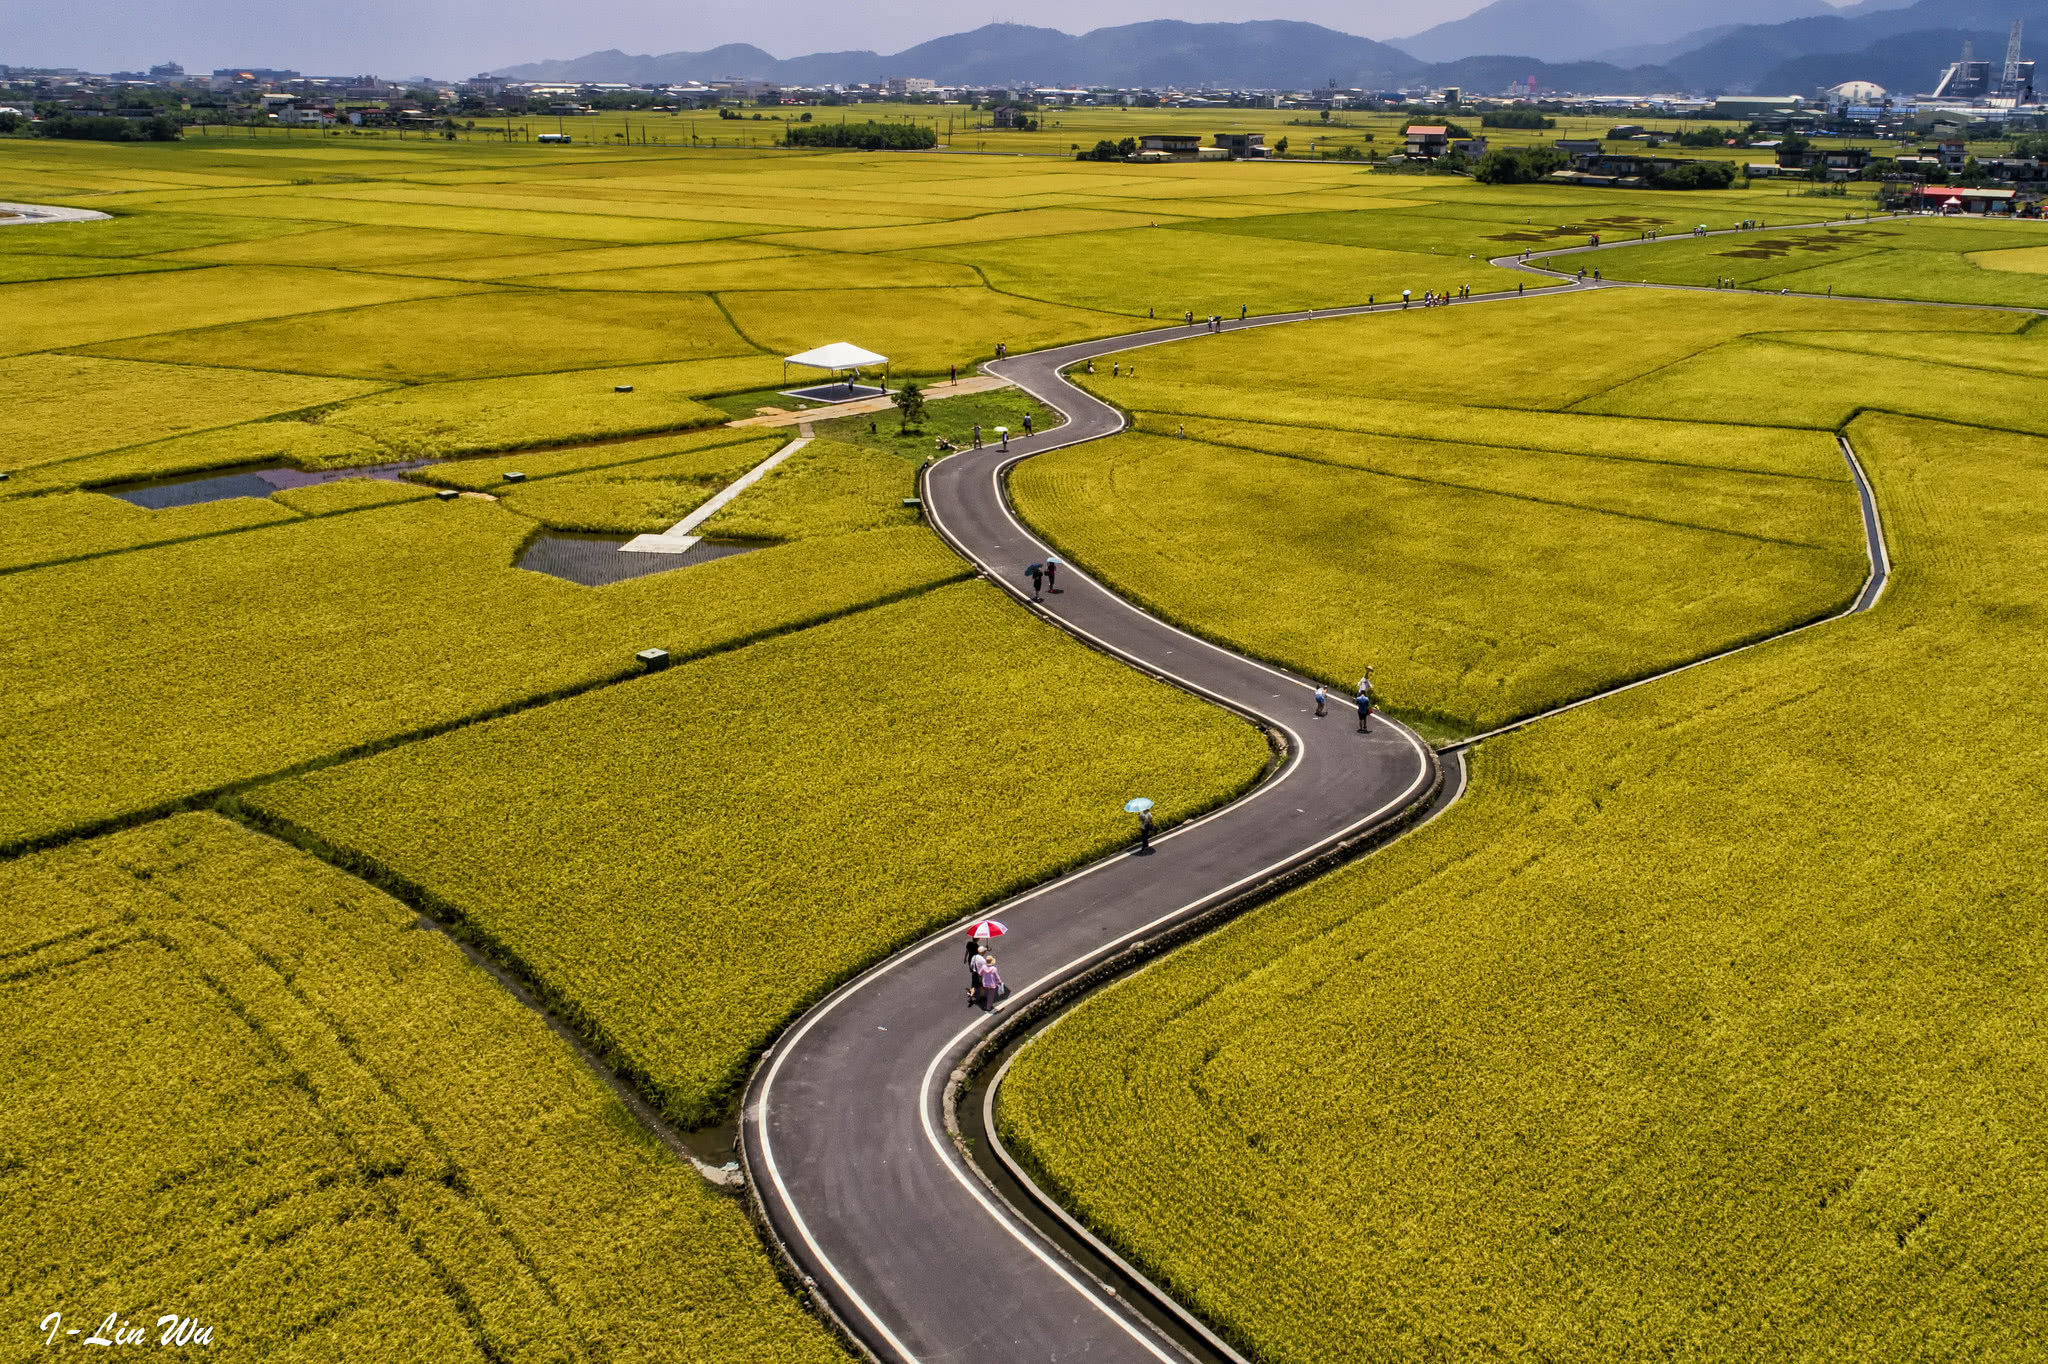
682 913
437 420
1997 353
509 222
1140 271
1779 385
922 331
817 271
1486 584
351 1134
1704 1026
41 530
62 406
1945 260
295 643
76 312
501 332
987 227
706 452
372 248
141 234
826 488
19 269
648 494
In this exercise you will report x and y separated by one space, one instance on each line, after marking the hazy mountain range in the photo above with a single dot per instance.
1618 46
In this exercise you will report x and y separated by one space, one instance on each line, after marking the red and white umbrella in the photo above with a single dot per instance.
987 928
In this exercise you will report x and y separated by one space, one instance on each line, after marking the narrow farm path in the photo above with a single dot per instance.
849 1130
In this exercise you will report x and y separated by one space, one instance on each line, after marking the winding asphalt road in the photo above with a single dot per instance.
845 1129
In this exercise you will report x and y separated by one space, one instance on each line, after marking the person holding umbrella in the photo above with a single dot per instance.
978 957
975 961
1036 572
1052 572
1142 808
991 983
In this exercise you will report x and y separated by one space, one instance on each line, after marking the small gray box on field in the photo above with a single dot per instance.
448 494
652 660
511 477
622 388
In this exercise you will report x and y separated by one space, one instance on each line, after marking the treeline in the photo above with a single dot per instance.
1516 118
1527 165
867 137
102 128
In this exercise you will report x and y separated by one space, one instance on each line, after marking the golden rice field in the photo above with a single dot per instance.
1534 533
1706 1025
1513 507
236 1076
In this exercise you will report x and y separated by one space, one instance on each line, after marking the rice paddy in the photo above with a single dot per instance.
1505 508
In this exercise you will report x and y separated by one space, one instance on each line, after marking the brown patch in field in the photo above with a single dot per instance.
1820 244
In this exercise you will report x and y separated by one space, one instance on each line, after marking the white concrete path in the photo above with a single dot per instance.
677 539
21 215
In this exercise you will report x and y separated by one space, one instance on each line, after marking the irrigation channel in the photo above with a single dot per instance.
867 1129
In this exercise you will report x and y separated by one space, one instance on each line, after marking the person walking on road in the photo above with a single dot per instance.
1244 311
1036 572
1144 832
1027 423
1322 698
977 435
991 983
1052 572
1365 703
975 961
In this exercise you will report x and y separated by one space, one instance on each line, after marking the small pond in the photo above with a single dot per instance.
596 560
185 490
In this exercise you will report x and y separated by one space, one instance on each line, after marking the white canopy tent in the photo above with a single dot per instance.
840 355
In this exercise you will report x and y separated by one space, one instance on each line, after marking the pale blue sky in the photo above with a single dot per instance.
453 38
460 37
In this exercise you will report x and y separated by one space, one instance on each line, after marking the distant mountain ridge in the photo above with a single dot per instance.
1575 30
1900 46
1260 53
1909 44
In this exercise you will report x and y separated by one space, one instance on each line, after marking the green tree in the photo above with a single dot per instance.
909 401
1280 147
1519 165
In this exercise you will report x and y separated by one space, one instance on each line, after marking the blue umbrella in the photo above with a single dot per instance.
1139 805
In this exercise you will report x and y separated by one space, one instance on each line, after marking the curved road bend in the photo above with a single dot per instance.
843 1130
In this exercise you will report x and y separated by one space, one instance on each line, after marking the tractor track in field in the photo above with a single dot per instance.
861 1126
